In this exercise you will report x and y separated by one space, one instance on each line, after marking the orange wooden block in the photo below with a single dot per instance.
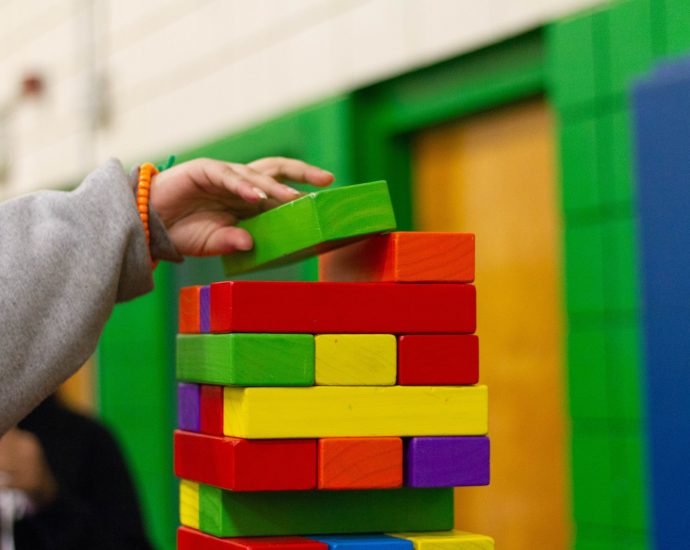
403 257
190 309
360 463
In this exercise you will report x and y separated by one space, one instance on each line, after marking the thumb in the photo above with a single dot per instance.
226 240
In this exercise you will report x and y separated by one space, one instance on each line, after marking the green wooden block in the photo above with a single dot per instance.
623 351
584 269
579 164
677 18
629 481
587 372
313 224
570 43
246 359
614 135
628 35
620 268
592 474
235 514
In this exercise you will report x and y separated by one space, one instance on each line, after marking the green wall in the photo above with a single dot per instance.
593 59
583 65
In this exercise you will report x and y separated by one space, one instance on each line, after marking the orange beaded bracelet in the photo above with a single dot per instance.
146 172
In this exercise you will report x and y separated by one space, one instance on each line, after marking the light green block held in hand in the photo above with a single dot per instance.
249 514
313 224
245 359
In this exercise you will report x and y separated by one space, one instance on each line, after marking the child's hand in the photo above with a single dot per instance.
200 201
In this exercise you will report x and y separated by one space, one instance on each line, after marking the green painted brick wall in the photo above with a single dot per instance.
593 59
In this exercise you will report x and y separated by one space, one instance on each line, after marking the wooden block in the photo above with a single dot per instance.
360 308
191 539
205 309
364 542
211 417
360 463
355 359
189 503
448 540
438 360
446 461
188 407
246 465
189 313
361 411
246 359
313 224
239 514
403 257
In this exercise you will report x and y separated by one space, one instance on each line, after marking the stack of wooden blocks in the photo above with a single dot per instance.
309 412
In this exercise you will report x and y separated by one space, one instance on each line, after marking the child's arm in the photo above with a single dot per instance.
67 258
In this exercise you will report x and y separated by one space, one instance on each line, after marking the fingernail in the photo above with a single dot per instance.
292 190
260 193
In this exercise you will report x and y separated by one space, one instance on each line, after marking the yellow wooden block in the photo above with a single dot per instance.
189 503
342 411
447 540
356 359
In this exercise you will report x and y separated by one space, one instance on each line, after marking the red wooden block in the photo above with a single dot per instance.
403 257
211 416
360 463
438 360
191 539
190 310
378 308
246 465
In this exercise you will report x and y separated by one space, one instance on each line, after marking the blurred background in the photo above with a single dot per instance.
512 119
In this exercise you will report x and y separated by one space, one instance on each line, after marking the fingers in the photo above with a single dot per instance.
267 184
295 170
226 176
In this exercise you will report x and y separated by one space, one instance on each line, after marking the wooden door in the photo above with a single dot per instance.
494 175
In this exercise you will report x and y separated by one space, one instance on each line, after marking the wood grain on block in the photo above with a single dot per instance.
246 359
313 224
205 309
361 411
355 359
246 465
447 540
438 360
410 257
364 542
359 308
191 539
360 463
211 417
447 461
188 406
189 312
239 514
189 503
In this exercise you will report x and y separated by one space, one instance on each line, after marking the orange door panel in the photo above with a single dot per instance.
493 174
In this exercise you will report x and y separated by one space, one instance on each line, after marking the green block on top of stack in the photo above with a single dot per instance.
313 224
245 359
237 514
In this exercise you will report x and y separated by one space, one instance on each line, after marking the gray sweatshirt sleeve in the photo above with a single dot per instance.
65 260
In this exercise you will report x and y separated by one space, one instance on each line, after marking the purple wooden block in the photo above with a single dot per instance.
447 461
205 309
188 406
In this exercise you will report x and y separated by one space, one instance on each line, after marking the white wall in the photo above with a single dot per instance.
179 72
